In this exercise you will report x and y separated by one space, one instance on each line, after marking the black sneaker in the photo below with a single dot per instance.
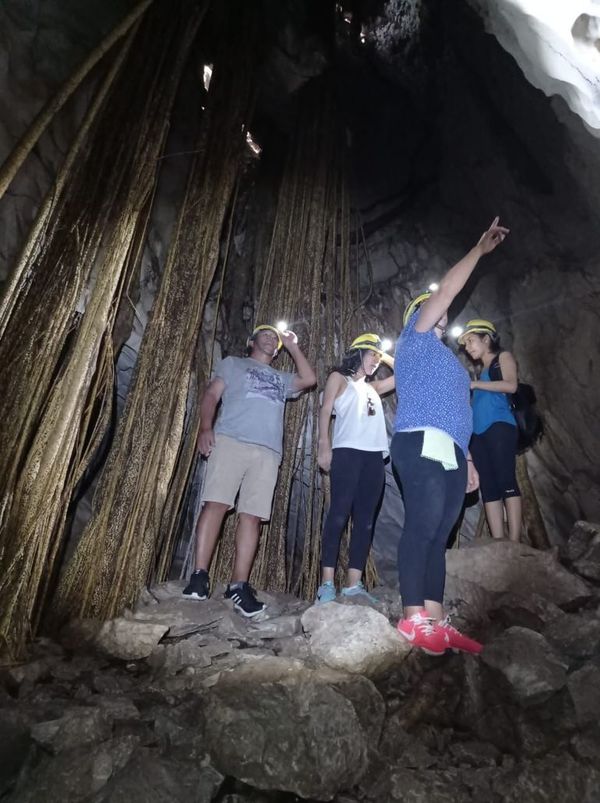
244 599
199 585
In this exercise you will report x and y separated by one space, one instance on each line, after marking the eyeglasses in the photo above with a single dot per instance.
371 406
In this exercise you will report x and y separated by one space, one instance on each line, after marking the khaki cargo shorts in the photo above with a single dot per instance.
251 470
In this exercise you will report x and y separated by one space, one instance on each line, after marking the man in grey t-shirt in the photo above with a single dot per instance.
244 453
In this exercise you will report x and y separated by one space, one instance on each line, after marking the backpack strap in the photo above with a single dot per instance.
495 370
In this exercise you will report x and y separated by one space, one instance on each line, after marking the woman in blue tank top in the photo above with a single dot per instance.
430 454
495 434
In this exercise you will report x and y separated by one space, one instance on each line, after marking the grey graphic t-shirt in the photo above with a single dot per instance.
253 401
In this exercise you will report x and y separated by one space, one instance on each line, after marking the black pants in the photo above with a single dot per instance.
357 480
494 454
433 499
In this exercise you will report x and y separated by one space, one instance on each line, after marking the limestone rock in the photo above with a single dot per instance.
532 668
77 727
503 566
587 563
129 639
475 754
579 541
15 743
353 638
75 775
430 785
575 635
172 658
280 627
586 745
79 634
164 604
151 778
525 610
553 777
584 687
296 731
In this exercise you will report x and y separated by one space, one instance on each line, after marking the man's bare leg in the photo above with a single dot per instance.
208 530
246 543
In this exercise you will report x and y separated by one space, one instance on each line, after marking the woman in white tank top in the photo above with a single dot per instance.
354 458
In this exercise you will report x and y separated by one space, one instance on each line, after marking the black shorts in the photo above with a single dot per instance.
494 454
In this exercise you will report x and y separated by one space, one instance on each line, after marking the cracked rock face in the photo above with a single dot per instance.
557 45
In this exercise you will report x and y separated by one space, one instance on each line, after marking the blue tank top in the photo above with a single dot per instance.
432 385
490 408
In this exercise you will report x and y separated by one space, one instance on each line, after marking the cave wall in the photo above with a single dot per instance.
493 144
437 150
41 44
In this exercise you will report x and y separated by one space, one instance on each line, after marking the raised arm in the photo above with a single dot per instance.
333 387
509 381
208 407
305 375
383 386
453 282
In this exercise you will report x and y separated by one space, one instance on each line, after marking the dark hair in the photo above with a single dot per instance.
495 346
351 362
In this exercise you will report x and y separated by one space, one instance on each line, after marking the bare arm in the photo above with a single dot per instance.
453 282
383 386
333 388
472 475
509 381
208 407
305 375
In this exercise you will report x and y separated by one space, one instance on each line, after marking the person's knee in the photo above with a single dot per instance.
336 522
213 511
249 520
511 493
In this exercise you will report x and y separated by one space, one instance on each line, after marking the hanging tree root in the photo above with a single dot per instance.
107 214
10 167
117 551
307 279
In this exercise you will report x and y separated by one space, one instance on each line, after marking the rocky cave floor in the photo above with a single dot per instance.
181 700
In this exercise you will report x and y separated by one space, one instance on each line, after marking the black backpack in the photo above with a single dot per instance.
529 422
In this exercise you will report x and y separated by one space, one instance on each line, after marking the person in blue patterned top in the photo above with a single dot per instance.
430 454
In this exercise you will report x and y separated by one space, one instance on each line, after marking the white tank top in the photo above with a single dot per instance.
354 428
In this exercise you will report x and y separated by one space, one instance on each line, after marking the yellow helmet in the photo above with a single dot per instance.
478 326
368 341
261 327
414 305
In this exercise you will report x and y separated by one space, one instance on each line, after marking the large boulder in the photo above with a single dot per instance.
584 687
151 778
129 639
586 561
502 566
77 774
79 726
581 538
554 777
532 668
276 724
353 638
15 745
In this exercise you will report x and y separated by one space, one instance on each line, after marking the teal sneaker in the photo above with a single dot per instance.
325 593
358 591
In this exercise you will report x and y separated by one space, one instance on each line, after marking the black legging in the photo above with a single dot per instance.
357 480
433 499
494 453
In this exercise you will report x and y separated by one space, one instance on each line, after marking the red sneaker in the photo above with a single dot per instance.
422 631
456 640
